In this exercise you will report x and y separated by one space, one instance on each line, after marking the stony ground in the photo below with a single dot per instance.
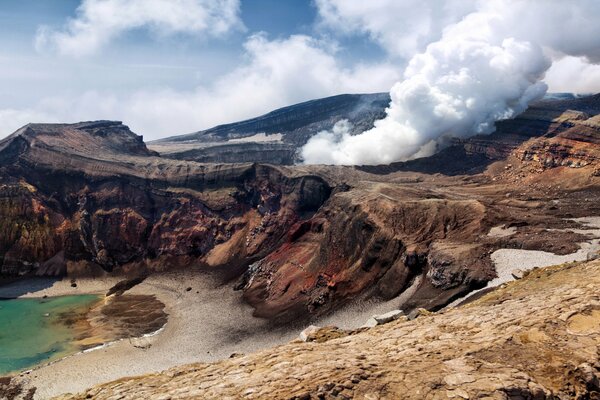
536 338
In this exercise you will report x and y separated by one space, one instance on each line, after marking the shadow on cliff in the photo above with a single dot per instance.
471 156
451 161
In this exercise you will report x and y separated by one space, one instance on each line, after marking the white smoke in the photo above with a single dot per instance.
485 68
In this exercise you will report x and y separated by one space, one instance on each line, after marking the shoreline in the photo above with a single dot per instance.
207 324
93 336
185 338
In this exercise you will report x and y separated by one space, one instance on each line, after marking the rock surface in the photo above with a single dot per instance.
536 338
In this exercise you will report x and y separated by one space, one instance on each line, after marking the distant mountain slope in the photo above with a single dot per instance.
275 137
563 130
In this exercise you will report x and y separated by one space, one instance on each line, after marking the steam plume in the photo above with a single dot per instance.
485 68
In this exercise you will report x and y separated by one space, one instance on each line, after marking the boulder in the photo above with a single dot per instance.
306 334
371 322
517 273
388 316
383 318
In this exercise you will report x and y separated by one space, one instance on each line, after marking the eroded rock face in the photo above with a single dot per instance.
89 198
536 338
367 240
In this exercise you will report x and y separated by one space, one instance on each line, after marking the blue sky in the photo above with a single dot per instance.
140 60
136 59
174 66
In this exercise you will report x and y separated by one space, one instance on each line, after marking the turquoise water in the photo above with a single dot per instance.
33 331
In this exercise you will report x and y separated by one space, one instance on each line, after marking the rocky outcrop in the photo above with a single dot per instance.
89 198
535 338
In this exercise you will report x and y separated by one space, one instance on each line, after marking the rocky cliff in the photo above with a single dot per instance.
90 197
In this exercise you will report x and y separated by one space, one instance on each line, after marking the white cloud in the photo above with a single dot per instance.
12 119
573 74
402 28
98 22
276 73
486 67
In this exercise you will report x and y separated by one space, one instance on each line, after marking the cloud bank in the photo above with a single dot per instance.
455 66
486 67
98 22
401 27
275 73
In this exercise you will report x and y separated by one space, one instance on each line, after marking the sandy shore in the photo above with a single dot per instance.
205 324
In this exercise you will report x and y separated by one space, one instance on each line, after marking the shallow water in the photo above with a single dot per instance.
34 331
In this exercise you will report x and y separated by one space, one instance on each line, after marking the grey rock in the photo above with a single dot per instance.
517 273
383 318
306 333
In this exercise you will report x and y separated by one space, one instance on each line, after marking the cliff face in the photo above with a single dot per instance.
536 338
89 198
376 240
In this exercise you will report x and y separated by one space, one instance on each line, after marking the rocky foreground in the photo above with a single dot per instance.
536 338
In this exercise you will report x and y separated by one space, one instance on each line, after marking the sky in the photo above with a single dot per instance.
168 67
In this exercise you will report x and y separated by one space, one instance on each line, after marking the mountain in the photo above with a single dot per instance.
91 199
275 137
